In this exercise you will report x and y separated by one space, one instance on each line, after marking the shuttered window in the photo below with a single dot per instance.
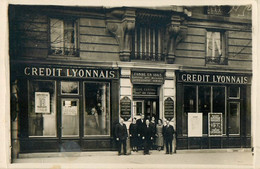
147 43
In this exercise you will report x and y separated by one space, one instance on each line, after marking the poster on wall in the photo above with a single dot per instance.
42 102
194 124
215 124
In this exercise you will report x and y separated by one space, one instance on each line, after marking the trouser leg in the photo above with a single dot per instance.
167 146
119 146
170 142
124 146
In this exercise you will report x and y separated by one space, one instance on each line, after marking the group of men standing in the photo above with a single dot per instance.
142 135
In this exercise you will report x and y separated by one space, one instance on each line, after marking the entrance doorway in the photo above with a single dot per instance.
147 106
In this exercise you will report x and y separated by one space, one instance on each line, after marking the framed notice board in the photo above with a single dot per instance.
194 124
215 124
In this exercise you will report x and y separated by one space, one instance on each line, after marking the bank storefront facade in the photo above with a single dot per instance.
64 104
219 105
76 70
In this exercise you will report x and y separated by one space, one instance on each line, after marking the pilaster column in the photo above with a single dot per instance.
176 31
121 24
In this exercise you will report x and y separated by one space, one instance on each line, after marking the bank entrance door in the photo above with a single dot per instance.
147 106
70 117
146 101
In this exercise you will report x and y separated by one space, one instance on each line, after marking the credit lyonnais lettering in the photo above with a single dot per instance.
209 78
70 72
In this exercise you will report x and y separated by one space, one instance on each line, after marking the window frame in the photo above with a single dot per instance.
148 48
69 94
76 36
55 106
224 115
239 116
220 60
108 135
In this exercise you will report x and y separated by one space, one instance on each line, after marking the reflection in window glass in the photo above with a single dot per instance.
234 92
42 122
69 87
204 105
189 105
139 108
219 104
97 109
234 118
63 37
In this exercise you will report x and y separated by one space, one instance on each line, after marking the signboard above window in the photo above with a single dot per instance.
155 78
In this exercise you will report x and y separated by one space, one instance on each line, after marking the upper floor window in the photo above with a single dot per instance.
147 42
217 10
215 48
63 37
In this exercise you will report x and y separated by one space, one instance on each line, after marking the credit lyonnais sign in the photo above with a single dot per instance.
70 72
214 78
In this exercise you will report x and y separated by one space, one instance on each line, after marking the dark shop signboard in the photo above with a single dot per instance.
147 77
168 108
125 108
145 91
215 124
69 72
214 78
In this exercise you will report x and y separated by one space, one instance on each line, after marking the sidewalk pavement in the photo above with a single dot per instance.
157 159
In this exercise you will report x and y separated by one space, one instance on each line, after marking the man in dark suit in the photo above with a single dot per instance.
168 133
121 136
147 137
140 125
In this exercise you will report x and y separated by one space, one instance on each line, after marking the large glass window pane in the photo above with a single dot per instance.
204 105
138 108
214 48
219 106
234 92
97 109
42 108
63 37
234 118
70 117
189 106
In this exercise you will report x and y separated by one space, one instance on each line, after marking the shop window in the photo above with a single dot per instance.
63 37
219 104
234 92
215 49
234 118
42 108
204 105
97 109
189 106
147 42
211 99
